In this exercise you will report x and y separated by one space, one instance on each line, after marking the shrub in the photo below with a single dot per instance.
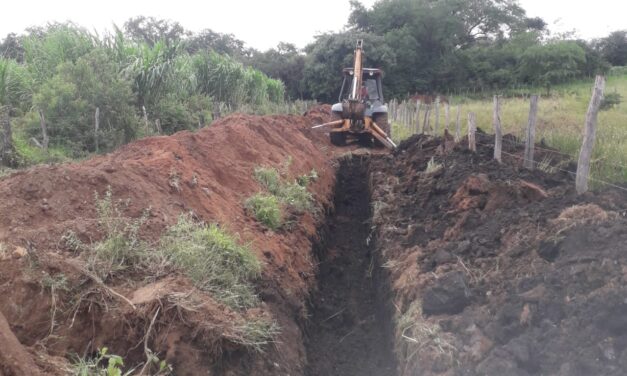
270 178
266 209
213 260
610 100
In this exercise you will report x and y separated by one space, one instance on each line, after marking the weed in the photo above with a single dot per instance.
416 335
257 332
433 166
213 260
546 165
270 178
174 180
266 209
103 364
120 246
72 242
293 194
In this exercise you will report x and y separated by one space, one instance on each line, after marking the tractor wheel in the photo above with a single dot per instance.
338 138
382 121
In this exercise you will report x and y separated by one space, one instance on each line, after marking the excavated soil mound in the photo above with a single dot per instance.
497 270
209 173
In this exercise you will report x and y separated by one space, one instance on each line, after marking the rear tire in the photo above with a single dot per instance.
382 121
338 138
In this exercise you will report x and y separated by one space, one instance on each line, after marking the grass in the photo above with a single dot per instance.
103 364
433 166
256 333
266 209
214 260
560 123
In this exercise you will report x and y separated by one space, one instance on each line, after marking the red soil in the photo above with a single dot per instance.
210 173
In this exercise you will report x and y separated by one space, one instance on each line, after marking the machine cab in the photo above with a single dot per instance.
371 84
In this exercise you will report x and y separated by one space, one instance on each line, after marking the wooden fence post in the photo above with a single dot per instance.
583 165
417 127
145 117
472 129
96 126
158 126
447 113
7 150
44 131
425 122
531 133
437 115
498 135
458 130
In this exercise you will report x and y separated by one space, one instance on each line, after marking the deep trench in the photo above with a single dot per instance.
350 331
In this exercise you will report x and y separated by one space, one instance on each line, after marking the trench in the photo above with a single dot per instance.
350 331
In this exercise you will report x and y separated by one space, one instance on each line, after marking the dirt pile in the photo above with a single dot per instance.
496 270
55 308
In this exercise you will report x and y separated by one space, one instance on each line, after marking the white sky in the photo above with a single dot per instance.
262 24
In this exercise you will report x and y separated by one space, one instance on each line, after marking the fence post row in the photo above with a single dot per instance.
447 109
583 164
531 133
498 135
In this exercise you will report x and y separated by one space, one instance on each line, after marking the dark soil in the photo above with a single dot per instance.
350 331
498 270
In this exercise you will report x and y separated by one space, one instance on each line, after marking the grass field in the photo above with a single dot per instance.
560 123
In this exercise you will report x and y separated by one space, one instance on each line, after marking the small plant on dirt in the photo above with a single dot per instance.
103 364
257 332
304 180
213 260
433 166
416 334
293 194
270 178
174 180
120 246
266 209
546 165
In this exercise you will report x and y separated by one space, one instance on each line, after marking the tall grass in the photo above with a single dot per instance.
560 123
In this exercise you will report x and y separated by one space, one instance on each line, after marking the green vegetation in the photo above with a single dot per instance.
103 364
213 260
292 194
266 209
560 123
140 85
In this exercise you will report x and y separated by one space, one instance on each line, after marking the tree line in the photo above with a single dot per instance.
155 74
138 80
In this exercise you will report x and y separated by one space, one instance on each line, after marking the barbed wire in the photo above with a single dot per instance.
560 169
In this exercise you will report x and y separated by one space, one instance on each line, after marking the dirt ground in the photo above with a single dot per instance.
209 172
350 331
431 260
497 270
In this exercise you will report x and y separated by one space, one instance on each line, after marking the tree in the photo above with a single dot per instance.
330 53
11 91
614 48
151 30
12 48
552 63
285 63
69 100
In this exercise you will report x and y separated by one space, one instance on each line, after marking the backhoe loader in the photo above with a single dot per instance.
361 112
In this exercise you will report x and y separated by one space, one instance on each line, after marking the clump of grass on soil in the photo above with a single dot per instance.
268 207
214 260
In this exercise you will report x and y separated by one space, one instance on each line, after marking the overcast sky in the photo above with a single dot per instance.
262 24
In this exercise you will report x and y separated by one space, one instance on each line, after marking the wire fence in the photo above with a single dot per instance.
434 114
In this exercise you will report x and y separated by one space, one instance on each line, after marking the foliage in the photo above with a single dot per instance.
552 63
266 209
120 247
103 364
614 47
213 260
610 100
